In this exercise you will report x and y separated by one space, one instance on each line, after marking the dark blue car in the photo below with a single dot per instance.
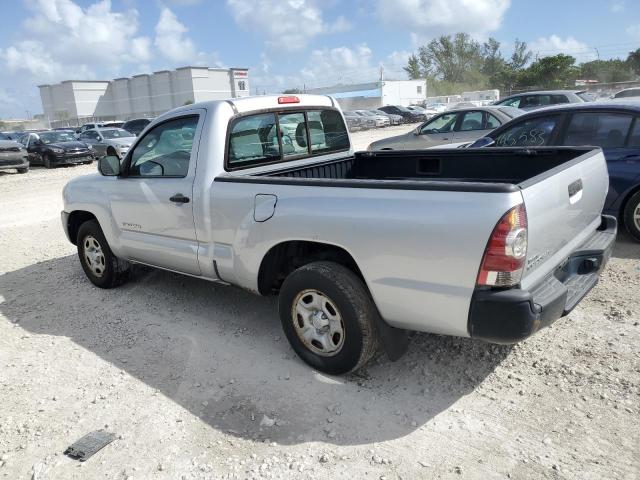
613 126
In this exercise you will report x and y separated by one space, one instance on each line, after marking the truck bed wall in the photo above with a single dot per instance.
484 165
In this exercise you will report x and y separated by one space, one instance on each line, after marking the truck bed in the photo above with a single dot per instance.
489 169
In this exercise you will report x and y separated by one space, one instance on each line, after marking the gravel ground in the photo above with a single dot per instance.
197 380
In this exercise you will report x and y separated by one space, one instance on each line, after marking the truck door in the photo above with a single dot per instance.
152 205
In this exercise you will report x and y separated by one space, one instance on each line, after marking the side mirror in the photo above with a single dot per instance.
483 142
109 166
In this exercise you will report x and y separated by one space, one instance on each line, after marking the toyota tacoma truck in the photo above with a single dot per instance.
267 194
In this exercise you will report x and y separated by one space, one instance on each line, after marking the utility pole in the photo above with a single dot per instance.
597 52
382 73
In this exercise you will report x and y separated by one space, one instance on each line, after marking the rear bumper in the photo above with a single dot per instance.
508 316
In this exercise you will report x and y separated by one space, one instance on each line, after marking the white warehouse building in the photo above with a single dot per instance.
74 102
376 94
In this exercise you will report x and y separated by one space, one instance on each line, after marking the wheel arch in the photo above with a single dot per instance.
77 218
285 257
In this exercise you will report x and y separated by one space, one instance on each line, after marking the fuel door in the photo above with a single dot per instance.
264 206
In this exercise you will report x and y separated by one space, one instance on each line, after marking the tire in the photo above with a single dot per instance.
632 216
46 160
23 170
346 317
100 265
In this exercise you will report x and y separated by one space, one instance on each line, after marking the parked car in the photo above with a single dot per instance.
379 120
136 125
627 93
13 155
113 124
354 122
454 126
360 247
613 126
404 112
420 111
533 100
88 126
52 148
393 118
12 135
365 121
108 141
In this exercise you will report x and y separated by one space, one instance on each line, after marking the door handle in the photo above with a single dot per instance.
179 198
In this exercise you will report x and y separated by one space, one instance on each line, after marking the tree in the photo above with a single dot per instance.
557 71
520 56
607 71
413 67
633 60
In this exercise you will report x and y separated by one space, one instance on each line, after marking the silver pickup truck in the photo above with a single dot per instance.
266 193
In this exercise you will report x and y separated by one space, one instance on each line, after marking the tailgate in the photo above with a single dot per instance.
563 208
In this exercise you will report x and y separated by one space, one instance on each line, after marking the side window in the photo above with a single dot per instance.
327 131
492 122
294 134
555 99
530 101
606 130
634 140
165 151
441 124
471 121
536 132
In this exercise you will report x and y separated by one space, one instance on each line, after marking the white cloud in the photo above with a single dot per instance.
554 45
430 18
171 40
617 6
67 40
633 31
340 65
286 24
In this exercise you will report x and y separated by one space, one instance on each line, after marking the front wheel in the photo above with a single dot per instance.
100 265
46 160
327 316
632 216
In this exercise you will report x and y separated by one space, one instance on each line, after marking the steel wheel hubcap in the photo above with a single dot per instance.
636 216
318 323
93 255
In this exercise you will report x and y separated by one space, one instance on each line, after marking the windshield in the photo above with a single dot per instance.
586 96
511 112
56 137
115 133
402 109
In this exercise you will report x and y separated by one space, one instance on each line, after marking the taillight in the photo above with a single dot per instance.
289 99
506 250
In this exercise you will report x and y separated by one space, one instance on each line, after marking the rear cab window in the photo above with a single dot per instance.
274 137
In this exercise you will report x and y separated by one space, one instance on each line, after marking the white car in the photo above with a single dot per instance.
108 141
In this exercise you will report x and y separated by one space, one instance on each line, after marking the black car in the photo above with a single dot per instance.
52 148
136 125
12 155
408 115
613 126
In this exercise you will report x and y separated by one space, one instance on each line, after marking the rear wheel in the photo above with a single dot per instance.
100 265
327 316
46 160
632 216
23 170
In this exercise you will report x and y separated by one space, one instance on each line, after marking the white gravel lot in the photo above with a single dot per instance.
198 381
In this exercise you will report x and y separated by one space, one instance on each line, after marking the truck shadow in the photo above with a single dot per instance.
219 352
626 246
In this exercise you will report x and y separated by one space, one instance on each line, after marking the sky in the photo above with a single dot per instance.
284 43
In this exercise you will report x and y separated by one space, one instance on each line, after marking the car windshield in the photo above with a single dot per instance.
56 137
586 96
511 112
115 133
402 109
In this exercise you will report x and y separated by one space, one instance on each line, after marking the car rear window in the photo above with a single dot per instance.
535 132
274 137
